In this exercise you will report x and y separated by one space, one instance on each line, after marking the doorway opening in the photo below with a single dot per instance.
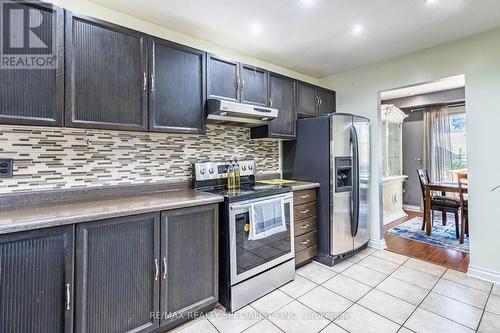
424 182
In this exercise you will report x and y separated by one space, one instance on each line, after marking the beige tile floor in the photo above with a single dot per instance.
375 291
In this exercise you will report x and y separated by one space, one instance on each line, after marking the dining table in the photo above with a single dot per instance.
444 188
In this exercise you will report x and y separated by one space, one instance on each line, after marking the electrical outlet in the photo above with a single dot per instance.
6 166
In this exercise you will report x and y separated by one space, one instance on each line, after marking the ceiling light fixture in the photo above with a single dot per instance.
357 29
430 2
256 28
307 3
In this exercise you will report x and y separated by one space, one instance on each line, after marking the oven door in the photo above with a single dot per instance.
251 257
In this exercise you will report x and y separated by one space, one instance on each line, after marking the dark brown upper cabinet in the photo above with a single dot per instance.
282 93
326 101
236 82
36 281
36 96
177 88
307 100
313 101
223 79
253 85
117 274
106 75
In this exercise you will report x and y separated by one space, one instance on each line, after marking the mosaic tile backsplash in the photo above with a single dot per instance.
59 158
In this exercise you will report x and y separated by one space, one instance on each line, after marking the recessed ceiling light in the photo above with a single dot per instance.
430 2
357 29
256 28
308 3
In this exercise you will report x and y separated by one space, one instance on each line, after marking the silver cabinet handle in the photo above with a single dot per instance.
156 270
270 102
238 82
304 211
242 84
164 268
304 196
305 226
68 296
320 101
152 83
305 242
145 82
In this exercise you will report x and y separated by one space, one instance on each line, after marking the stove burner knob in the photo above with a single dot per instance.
244 167
202 171
250 167
211 170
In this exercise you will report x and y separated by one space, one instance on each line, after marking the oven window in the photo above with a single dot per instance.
253 253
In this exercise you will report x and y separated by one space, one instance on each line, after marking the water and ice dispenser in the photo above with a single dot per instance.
343 174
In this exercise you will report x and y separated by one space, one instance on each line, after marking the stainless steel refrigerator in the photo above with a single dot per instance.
334 150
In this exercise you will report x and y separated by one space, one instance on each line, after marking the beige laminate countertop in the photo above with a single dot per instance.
51 215
296 185
300 185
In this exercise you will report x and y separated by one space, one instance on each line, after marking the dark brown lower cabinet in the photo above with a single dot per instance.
189 250
36 281
117 272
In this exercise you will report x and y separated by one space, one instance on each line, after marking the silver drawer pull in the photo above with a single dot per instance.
156 270
68 296
305 226
305 242
304 211
304 196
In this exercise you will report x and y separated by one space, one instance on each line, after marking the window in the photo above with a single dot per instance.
458 134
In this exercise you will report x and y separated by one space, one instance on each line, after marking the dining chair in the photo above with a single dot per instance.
464 205
440 203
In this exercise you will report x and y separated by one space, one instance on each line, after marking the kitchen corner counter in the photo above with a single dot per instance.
57 214
300 185
295 185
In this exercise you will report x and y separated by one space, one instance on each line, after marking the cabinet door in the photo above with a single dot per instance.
254 85
36 281
307 100
326 101
106 75
117 274
189 250
222 78
282 97
177 88
35 96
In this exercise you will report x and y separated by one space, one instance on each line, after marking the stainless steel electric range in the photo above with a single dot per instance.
256 253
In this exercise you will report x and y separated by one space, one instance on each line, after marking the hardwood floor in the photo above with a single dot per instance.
434 254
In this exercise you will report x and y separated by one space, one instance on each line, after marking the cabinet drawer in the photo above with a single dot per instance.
305 226
305 241
304 196
304 211
305 255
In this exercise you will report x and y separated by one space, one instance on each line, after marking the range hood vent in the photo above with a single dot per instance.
237 114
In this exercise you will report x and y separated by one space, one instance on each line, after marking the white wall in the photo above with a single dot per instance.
477 57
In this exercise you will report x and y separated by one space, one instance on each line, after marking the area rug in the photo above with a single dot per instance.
441 235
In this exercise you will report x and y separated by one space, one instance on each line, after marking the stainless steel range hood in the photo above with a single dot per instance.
237 114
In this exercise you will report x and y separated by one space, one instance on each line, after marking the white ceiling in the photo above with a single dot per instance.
448 83
319 37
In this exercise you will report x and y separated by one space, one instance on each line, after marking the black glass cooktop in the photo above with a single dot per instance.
247 191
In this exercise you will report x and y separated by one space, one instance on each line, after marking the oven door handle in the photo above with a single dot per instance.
245 204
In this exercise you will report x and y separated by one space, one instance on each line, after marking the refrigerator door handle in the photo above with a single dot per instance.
355 182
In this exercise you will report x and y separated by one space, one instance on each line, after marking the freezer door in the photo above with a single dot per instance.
341 240
362 127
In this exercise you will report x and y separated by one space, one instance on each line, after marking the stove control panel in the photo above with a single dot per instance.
218 170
